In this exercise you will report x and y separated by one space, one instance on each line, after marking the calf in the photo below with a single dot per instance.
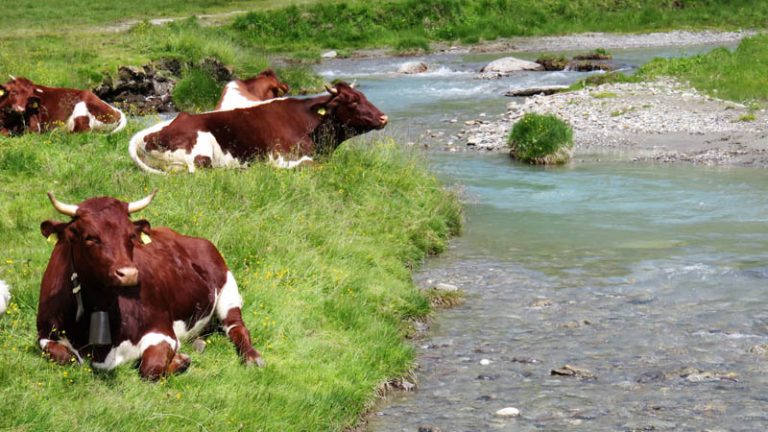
252 91
286 131
146 287
43 108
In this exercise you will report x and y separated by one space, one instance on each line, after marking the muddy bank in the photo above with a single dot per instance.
662 121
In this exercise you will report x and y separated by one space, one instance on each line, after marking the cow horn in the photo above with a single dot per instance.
13 78
142 203
63 208
332 90
354 83
37 90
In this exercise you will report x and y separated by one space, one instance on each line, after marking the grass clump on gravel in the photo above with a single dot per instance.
541 140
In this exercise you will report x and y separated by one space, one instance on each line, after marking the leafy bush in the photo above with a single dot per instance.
541 139
197 91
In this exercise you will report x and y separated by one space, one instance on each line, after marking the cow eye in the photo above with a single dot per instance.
92 241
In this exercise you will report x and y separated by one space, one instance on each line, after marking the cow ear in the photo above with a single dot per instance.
52 228
142 226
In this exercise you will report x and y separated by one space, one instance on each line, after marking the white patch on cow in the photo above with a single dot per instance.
281 162
229 297
5 296
127 351
205 145
184 333
235 96
81 110
65 342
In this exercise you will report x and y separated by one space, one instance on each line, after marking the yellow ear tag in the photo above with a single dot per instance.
321 111
34 105
145 238
2 92
53 238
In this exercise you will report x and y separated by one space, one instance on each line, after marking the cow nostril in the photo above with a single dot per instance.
127 276
384 119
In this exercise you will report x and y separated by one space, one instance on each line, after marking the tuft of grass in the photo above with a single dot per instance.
541 139
606 78
604 95
322 257
445 299
749 117
734 75
196 91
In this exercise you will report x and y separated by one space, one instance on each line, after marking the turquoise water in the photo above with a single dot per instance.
652 277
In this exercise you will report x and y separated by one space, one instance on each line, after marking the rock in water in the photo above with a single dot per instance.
508 412
411 68
329 54
543 90
508 65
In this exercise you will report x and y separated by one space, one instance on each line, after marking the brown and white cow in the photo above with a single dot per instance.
252 91
156 287
44 108
286 131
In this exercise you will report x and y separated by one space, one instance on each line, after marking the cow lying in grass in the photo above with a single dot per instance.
145 288
287 131
27 106
252 91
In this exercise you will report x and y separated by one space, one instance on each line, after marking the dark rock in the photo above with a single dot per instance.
573 371
543 90
215 68
553 63
487 377
429 428
590 65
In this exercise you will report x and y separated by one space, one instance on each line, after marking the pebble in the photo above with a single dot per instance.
508 412
485 362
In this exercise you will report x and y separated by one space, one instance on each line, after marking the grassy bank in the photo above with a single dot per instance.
322 257
411 24
739 75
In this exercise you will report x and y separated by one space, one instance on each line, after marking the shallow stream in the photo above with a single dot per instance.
652 278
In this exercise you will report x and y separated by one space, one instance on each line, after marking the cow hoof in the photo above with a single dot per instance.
253 358
179 364
59 354
199 345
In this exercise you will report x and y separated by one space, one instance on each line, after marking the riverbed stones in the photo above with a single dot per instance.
508 65
508 412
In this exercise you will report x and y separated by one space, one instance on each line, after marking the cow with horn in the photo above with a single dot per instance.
117 291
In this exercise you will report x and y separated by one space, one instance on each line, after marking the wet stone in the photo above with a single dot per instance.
508 412
573 371
487 377
429 428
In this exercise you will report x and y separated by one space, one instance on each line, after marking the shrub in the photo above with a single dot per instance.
197 91
541 139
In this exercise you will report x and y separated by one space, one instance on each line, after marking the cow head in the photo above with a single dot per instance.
102 238
266 85
352 109
20 94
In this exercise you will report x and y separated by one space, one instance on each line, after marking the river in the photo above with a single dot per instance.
650 277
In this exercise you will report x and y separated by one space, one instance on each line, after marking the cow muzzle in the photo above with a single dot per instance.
127 276
383 119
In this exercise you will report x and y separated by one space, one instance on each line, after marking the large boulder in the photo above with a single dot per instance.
507 65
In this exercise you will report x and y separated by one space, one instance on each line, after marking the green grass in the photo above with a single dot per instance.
322 257
739 75
541 139
604 95
394 23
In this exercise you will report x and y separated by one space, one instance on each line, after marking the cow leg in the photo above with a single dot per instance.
161 360
81 124
235 328
58 352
